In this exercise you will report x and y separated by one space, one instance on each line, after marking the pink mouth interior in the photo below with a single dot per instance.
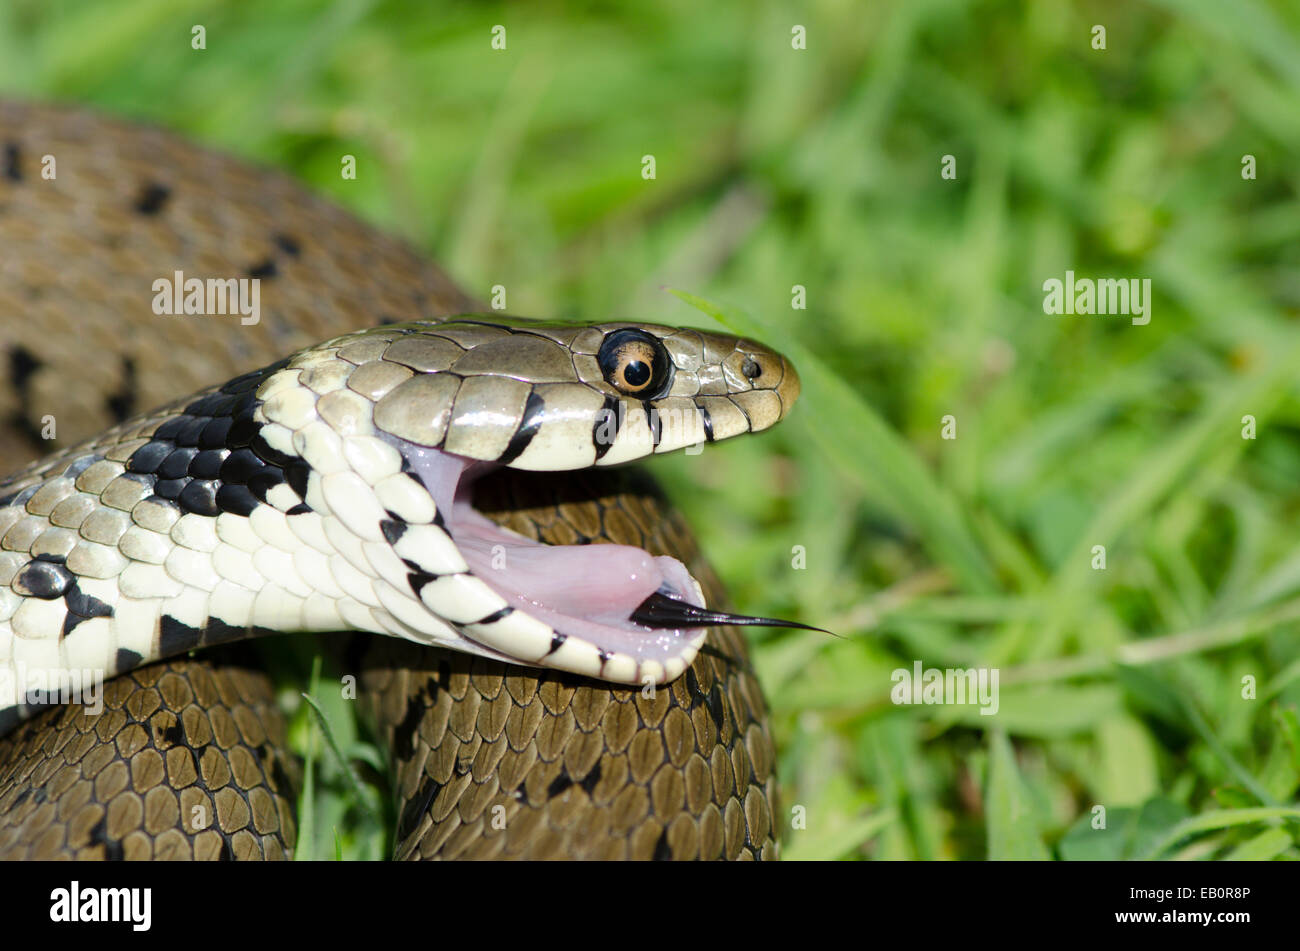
584 591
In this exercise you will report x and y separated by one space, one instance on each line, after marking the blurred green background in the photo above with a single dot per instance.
1162 688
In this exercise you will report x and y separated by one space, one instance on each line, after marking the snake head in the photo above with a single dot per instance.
549 396
396 424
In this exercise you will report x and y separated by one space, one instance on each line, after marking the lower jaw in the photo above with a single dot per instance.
552 565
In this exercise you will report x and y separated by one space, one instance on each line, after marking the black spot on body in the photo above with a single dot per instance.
716 708
264 269
22 365
173 735
113 851
694 689
82 607
43 579
217 631
559 784
152 198
404 733
417 807
121 404
557 641
126 660
279 778
418 579
12 162
288 244
591 779
302 508
296 476
663 851
175 637
392 530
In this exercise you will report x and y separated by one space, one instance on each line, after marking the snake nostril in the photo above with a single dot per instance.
751 368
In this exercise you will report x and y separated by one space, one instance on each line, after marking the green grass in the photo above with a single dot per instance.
1121 688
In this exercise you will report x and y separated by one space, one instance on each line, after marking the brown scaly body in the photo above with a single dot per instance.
582 769
187 761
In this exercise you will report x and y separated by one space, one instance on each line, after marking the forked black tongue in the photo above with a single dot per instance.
660 610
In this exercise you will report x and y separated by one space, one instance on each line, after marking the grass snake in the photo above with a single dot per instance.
442 477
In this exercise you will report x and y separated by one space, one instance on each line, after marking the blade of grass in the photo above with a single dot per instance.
307 801
1267 845
839 841
1218 819
359 790
1011 827
864 448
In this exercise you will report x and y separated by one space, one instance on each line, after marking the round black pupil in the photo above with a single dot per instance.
636 373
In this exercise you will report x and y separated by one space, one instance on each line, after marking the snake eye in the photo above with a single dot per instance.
635 363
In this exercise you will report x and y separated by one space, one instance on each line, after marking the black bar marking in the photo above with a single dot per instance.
175 637
708 424
496 615
418 579
608 422
392 530
654 422
528 426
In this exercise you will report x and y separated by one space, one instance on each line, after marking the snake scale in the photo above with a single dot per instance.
362 483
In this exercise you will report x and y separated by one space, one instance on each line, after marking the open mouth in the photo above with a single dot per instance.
618 598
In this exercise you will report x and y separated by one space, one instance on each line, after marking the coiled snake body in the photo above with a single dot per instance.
360 484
